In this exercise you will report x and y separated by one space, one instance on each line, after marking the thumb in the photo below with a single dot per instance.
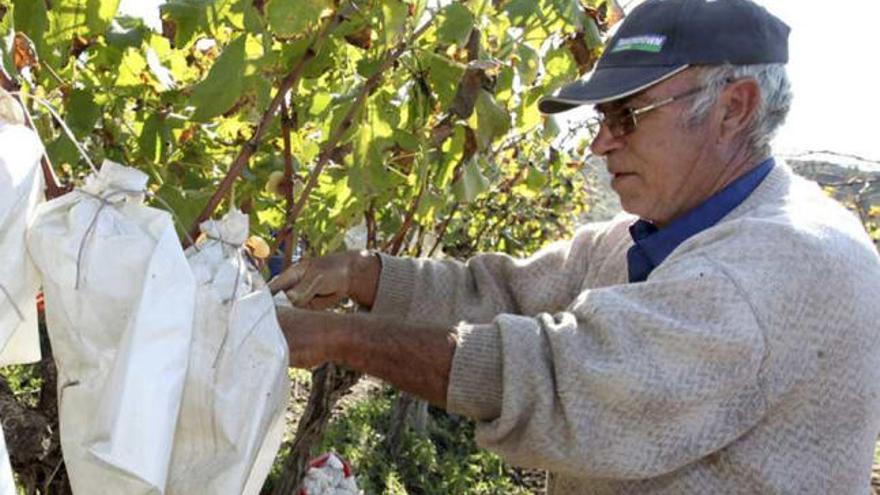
288 278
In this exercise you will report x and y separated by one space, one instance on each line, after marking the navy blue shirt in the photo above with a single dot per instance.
653 245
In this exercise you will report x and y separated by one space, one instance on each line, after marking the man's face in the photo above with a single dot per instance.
663 168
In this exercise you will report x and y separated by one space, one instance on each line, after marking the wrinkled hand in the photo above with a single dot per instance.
309 335
320 283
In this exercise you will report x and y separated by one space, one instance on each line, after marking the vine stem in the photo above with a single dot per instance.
444 227
288 179
248 150
346 123
396 243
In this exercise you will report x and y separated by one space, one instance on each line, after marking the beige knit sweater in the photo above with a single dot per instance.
748 362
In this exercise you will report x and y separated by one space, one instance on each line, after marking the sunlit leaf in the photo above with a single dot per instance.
100 13
560 68
528 63
615 12
570 11
223 85
395 13
520 11
131 69
288 18
187 17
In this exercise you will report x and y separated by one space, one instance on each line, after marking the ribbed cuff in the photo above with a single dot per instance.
475 381
396 285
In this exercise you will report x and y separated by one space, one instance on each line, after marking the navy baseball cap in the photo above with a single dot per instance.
661 38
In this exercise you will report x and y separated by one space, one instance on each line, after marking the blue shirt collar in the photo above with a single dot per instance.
653 245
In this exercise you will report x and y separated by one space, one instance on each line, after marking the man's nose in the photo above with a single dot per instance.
605 142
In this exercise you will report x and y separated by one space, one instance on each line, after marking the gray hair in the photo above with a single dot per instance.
776 96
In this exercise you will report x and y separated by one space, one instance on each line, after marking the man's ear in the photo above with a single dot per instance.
739 104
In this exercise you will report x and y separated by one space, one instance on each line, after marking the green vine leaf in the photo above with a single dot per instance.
471 184
493 121
32 19
457 24
223 86
187 17
289 18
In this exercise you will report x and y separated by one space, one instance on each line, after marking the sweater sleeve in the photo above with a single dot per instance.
631 381
447 291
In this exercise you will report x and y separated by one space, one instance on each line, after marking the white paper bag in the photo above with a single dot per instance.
119 308
21 190
237 386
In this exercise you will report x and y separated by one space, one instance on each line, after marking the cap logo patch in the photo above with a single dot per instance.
648 43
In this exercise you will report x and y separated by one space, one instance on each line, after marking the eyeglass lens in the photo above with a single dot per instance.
619 123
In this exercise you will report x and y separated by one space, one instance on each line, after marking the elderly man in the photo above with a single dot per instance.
723 338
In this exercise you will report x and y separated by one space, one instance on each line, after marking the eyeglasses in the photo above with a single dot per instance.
624 121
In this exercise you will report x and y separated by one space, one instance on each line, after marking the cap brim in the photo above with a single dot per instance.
606 84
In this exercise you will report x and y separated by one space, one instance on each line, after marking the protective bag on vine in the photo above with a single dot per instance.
21 191
119 299
237 386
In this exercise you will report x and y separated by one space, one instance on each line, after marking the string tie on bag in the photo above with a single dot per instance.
238 263
106 201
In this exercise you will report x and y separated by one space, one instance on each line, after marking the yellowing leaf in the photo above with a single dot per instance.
99 14
615 12
560 68
130 69
258 247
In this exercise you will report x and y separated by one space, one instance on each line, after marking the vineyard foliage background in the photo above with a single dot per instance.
410 125
433 107
407 126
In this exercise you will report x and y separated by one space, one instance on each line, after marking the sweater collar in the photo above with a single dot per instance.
653 245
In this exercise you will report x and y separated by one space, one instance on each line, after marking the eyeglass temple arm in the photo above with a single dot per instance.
640 111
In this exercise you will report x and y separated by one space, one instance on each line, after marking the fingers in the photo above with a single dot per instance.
304 292
321 303
288 278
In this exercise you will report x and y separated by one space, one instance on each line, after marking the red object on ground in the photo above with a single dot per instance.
321 461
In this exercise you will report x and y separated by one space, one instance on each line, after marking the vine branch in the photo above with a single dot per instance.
249 148
288 179
346 123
